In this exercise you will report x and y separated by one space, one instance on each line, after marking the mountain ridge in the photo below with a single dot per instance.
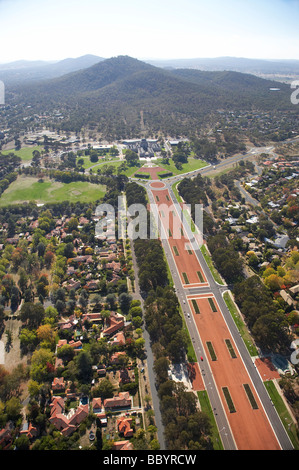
27 71
115 92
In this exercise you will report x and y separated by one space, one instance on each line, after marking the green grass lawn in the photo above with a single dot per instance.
206 408
211 266
105 160
190 349
129 172
25 153
192 165
29 189
176 192
283 413
240 324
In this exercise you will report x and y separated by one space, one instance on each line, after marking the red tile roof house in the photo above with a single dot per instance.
122 401
92 285
72 284
70 391
115 357
97 408
93 317
101 370
70 270
77 345
66 326
116 322
83 220
61 342
64 323
118 339
58 384
29 430
67 424
124 426
116 267
82 259
122 445
96 405
58 363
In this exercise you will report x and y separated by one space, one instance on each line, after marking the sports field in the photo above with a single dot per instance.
30 189
25 153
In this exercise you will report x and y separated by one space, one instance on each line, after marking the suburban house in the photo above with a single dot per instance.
92 317
92 285
101 370
116 322
294 289
118 339
72 284
123 400
115 357
97 405
287 298
122 445
77 345
58 363
29 430
98 409
124 426
87 259
58 384
67 424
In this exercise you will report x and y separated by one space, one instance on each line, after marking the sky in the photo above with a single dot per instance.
155 29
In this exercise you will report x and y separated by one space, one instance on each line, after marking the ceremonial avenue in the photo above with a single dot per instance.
137 226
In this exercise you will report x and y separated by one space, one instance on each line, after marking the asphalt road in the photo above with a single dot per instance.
220 416
267 403
217 290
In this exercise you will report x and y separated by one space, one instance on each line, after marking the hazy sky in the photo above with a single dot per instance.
56 29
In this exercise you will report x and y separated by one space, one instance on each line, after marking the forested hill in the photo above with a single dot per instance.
116 91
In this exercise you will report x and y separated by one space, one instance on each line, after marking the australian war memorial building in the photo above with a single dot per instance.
143 147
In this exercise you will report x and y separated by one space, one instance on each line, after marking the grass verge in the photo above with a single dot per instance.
283 413
211 266
207 409
240 324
